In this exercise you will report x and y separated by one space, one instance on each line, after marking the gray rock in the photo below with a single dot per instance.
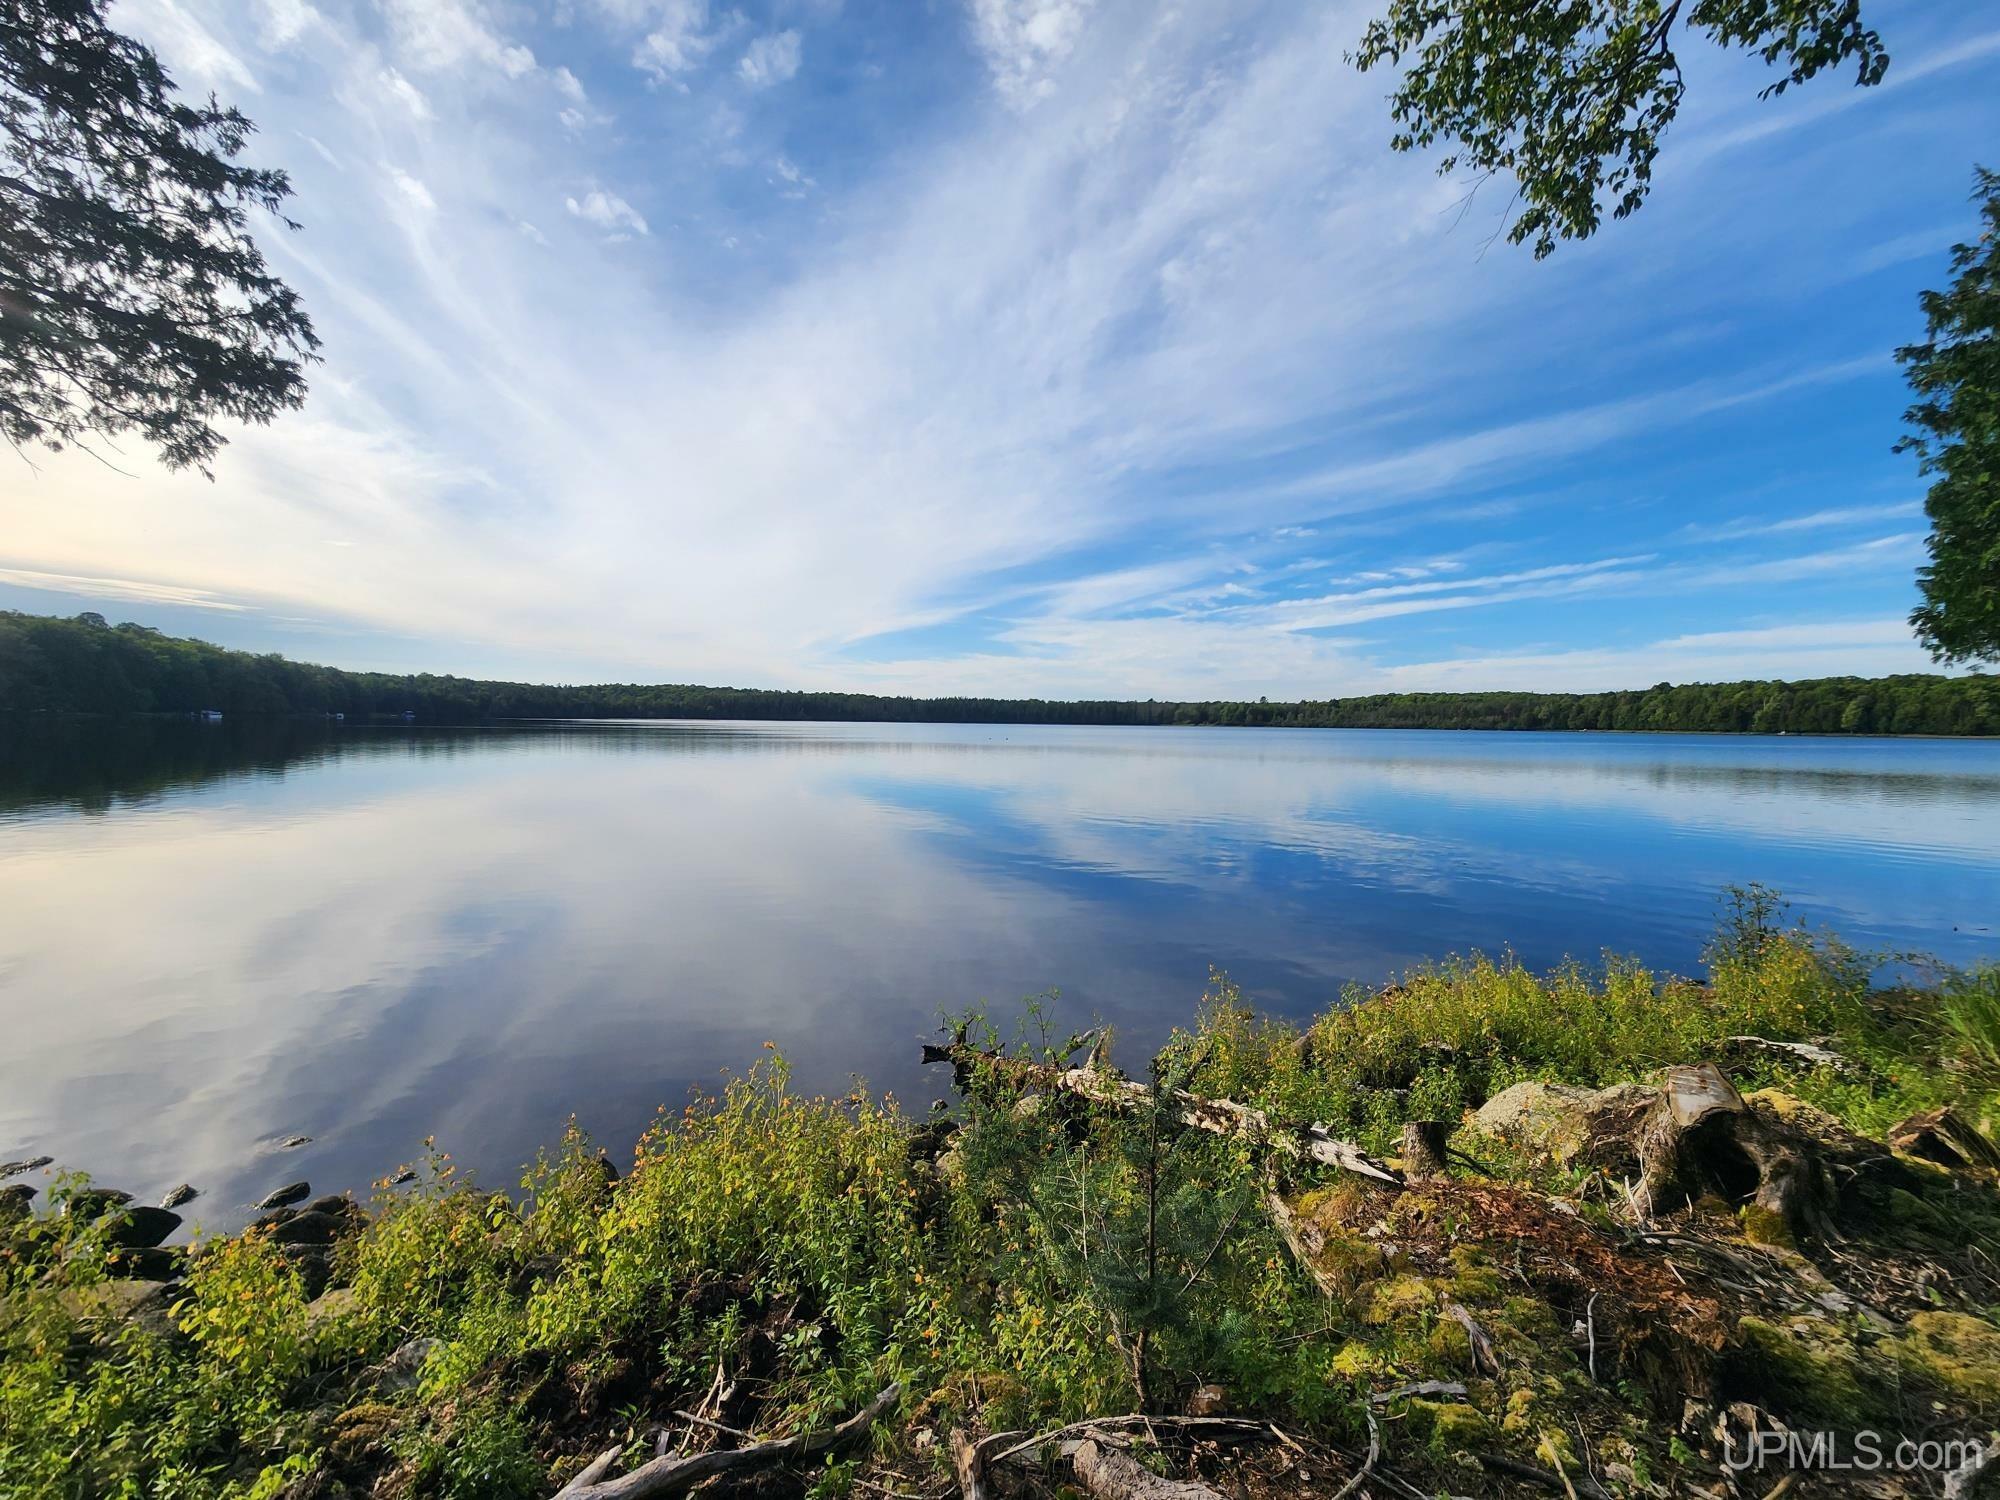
1556 1119
310 1228
174 1197
146 1303
16 1168
337 1204
402 1175
138 1227
274 1218
144 1263
91 1204
14 1201
291 1192
293 1142
314 1263
400 1371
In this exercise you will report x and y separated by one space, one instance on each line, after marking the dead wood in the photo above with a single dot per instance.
1962 1481
1424 1150
968 1466
1242 1427
1110 1475
1103 1085
676 1474
1810 1054
1945 1137
1484 1360
1699 1137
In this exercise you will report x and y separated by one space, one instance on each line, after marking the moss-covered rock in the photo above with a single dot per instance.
1959 1352
1450 1426
1803 1367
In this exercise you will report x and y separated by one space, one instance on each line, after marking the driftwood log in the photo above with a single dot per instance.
1107 1086
674 1474
1111 1475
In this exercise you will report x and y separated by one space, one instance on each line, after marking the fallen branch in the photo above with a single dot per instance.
1134 1419
1368 1463
967 1466
1499 1463
1811 1055
1110 1475
1451 1390
1107 1086
1484 1360
673 1475
1963 1480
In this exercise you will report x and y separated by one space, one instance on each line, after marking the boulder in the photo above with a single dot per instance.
314 1264
291 1192
91 1204
14 1201
146 1303
16 1168
1561 1121
401 1370
144 1262
332 1307
139 1227
175 1196
313 1227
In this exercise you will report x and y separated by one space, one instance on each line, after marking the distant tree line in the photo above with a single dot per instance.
84 665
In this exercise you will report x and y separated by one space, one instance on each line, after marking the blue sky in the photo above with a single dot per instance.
1065 347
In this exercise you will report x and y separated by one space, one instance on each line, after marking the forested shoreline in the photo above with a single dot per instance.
84 665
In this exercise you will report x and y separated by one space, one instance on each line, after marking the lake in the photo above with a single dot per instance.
213 937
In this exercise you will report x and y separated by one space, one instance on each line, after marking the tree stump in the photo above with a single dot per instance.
1423 1150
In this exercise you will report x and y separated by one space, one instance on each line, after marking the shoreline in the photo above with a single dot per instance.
1484 1301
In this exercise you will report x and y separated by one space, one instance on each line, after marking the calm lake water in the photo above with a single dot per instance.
213 937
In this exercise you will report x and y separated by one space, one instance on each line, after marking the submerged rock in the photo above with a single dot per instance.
293 1142
291 1192
175 1196
401 1175
16 1168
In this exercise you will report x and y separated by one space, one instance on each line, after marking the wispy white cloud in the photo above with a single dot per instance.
1818 520
441 35
1026 41
127 590
411 188
771 59
607 211
1071 364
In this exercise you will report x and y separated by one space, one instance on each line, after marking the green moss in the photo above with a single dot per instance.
1803 1367
1908 1211
1765 1226
1475 1278
1400 1297
1953 1350
1449 1426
